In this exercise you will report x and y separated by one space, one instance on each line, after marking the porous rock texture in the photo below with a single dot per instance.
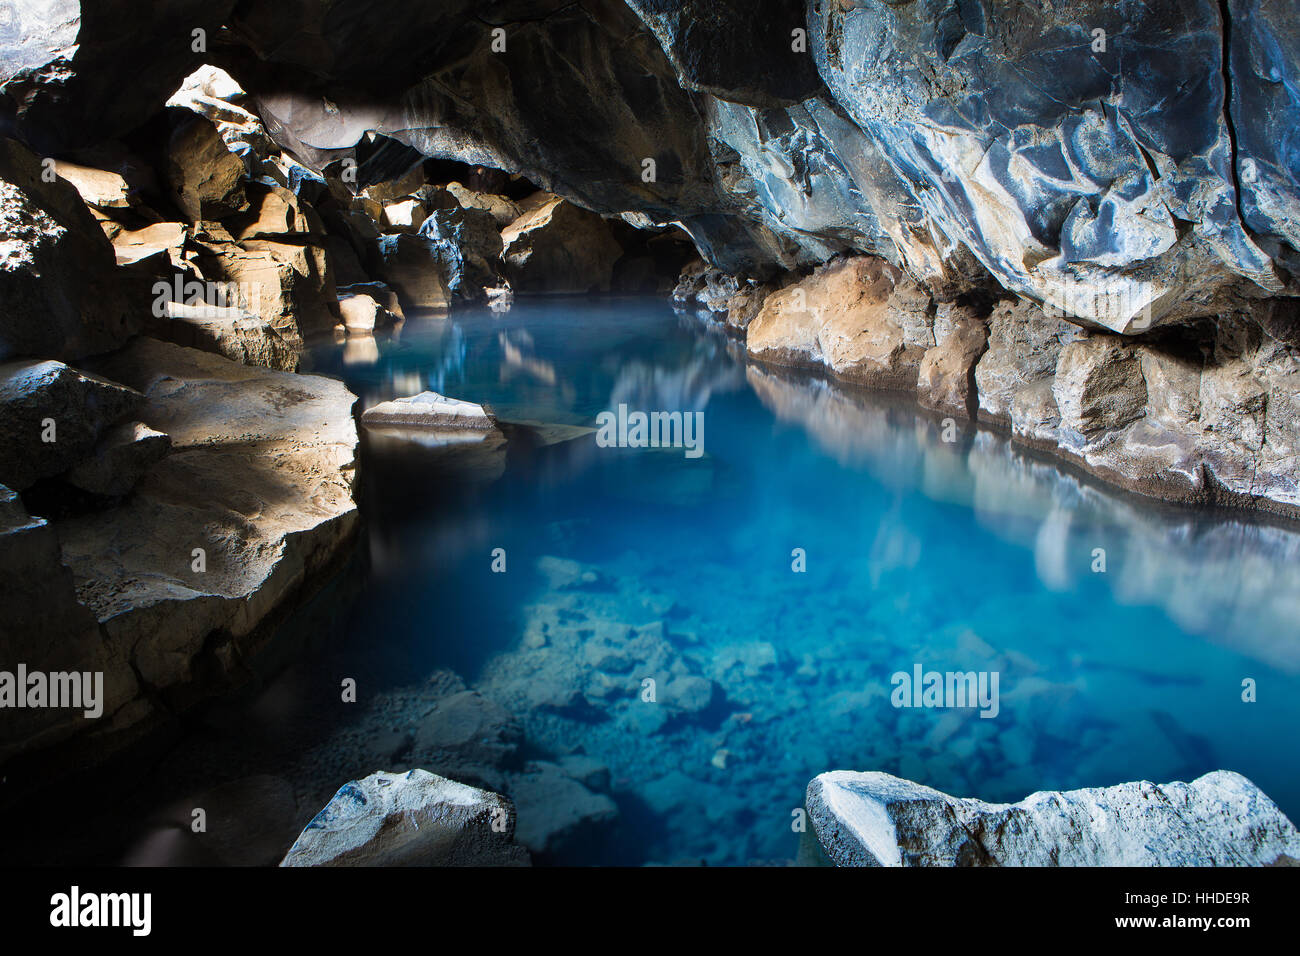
1220 819
410 819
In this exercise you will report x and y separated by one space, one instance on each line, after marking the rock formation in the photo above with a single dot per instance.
1220 819
410 819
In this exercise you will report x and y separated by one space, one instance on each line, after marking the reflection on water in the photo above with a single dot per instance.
625 565
967 555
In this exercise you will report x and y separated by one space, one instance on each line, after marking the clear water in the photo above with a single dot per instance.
955 556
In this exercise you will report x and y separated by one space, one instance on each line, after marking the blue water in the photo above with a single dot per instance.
623 564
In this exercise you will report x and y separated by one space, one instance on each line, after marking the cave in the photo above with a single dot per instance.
555 432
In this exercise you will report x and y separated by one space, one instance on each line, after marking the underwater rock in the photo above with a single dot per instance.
1220 819
410 819
555 809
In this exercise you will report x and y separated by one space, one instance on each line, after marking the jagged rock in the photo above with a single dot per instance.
504 211
1024 348
1099 385
164 240
713 46
430 410
1220 819
239 335
207 179
275 213
57 277
123 455
559 247
246 516
946 378
210 92
410 819
404 215
839 317
469 246
411 267
76 74
102 188
52 416
287 284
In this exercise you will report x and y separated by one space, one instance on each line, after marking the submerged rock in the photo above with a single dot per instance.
410 819
1220 819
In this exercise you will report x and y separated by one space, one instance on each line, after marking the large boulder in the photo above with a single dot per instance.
840 317
246 517
410 819
468 243
411 266
558 247
1220 819
51 417
206 178
58 280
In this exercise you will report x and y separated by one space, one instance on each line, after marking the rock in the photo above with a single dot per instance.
247 516
430 410
559 247
206 178
380 293
124 454
52 418
1099 385
468 735
410 819
468 246
689 694
211 92
839 317
287 284
556 811
45 627
361 313
1024 348
58 279
404 215
165 240
1220 819
504 211
101 188
238 335
946 378
411 267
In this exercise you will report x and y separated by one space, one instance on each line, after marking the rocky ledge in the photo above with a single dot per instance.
1205 412
1220 819
223 497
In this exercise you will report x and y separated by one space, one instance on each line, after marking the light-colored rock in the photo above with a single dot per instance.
839 317
1024 348
946 378
361 313
239 335
102 188
131 246
410 819
1220 819
503 210
246 516
1099 385
430 410
404 215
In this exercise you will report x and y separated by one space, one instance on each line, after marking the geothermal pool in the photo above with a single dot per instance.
624 565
